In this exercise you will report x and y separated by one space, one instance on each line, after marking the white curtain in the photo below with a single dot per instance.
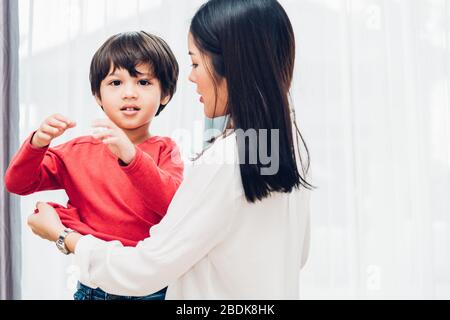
371 91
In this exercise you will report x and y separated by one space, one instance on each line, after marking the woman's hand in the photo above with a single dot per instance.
45 223
116 140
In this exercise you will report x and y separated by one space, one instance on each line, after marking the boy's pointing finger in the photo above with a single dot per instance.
102 123
102 134
66 120
57 123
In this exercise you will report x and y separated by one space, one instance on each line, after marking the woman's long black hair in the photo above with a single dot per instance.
251 44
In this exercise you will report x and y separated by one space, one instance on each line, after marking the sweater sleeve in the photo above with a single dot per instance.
157 182
34 169
198 219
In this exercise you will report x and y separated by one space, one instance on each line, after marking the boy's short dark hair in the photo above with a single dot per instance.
129 49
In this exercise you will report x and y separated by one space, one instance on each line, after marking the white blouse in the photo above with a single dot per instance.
212 244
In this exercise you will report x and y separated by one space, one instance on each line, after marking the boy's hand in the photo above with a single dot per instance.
52 127
116 140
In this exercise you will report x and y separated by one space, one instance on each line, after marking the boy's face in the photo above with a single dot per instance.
130 102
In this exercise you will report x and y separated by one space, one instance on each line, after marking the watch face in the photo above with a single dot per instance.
60 242
61 246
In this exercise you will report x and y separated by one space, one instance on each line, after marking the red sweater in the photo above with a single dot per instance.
107 200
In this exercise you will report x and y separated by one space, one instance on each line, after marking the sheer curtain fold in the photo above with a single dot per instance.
371 90
10 240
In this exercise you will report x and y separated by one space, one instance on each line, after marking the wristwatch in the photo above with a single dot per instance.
60 242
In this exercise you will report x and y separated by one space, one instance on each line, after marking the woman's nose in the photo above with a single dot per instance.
191 77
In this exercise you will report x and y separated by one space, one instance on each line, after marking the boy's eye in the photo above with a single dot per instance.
194 65
144 82
115 83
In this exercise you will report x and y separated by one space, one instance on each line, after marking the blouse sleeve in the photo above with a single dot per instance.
198 219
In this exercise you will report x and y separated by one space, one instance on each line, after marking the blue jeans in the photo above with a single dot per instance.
87 293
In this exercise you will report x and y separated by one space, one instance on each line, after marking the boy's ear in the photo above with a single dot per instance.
165 100
99 101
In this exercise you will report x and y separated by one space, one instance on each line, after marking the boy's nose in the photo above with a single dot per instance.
129 92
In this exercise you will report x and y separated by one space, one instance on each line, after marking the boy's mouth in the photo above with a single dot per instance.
130 110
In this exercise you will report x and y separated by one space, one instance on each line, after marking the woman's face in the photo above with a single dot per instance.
205 82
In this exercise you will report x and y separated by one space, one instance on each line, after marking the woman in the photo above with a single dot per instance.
238 227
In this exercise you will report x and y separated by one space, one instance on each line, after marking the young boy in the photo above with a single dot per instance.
121 180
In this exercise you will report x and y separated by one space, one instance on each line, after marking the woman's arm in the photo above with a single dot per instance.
198 219
47 224
72 240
